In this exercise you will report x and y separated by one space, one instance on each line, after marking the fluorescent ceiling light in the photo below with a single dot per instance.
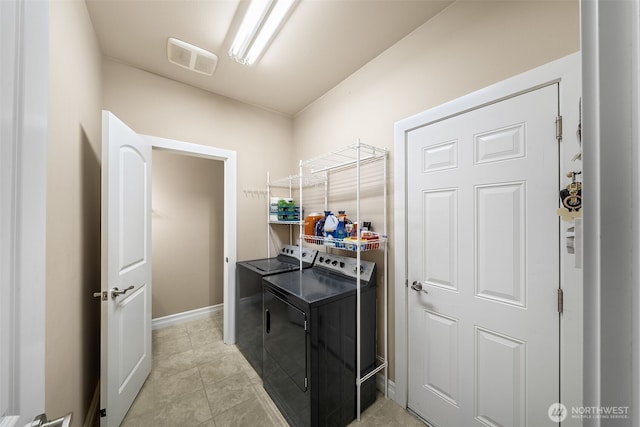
261 22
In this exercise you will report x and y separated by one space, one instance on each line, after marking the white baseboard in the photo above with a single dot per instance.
391 385
174 319
93 412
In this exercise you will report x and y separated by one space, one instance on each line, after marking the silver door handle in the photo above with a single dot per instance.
41 421
115 291
417 286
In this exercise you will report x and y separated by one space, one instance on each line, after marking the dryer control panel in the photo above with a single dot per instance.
346 266
307 255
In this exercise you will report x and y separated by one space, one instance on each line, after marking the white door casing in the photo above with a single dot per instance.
8 16
126 264
229 157
610 45
482 195
24 77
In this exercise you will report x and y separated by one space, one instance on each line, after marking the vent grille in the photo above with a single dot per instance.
191 57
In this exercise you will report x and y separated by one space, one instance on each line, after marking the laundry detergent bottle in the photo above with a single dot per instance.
341 231
330 224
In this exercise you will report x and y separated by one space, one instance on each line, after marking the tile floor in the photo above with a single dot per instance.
197 380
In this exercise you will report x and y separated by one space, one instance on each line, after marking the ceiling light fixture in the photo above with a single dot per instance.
261 22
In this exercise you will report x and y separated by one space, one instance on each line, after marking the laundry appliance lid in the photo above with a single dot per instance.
271 265
314 285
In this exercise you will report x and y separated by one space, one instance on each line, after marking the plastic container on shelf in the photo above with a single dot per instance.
289 213
341 231
310 226
352 243
330 224
285 202
319 228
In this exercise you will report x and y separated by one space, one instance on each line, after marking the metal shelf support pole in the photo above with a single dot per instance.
268 215
301 218
386 269
358 256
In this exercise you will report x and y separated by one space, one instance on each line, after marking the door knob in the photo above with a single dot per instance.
417 286
116 292
41 421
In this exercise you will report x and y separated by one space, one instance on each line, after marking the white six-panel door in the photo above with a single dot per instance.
126 252
483 245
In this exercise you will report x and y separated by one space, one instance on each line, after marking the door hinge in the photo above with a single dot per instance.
560 300
559 128
103 413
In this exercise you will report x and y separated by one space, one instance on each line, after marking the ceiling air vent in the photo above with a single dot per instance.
191 57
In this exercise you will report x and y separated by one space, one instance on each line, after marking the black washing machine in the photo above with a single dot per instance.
249 276
310 341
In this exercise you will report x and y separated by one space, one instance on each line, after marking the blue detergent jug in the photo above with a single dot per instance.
341 231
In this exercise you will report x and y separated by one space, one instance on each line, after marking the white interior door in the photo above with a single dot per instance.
126 268
484 245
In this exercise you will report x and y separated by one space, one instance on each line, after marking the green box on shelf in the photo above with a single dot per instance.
285 203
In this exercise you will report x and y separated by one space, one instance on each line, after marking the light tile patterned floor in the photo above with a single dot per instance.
197 380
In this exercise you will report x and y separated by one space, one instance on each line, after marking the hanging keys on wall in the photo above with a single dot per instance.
571 198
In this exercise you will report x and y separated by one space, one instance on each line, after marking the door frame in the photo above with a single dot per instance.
565 71
23 171
610 42
229 158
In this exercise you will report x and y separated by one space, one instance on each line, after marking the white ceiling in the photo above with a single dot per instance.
322 43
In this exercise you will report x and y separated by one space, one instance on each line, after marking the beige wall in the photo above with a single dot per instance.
187 230
72 342
468 46
153 105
